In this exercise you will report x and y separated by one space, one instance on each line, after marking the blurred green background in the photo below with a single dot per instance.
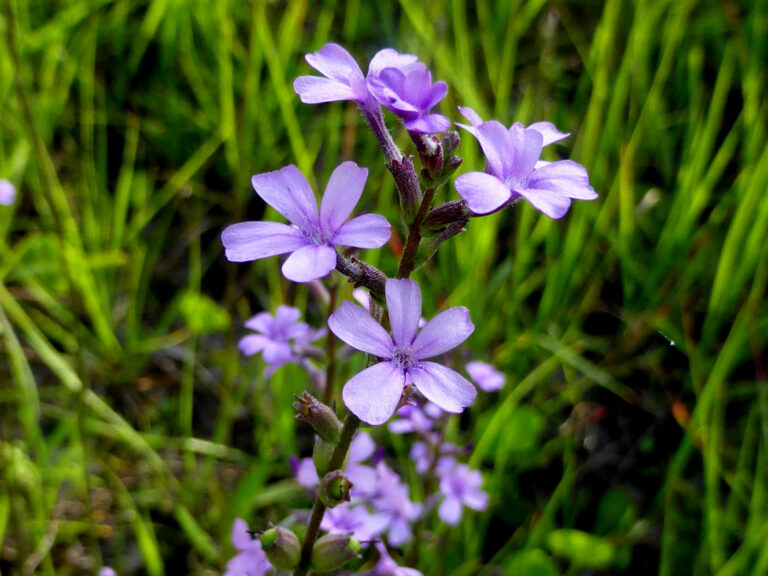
632 435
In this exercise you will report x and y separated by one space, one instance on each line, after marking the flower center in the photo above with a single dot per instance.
403 357
516 183
316 236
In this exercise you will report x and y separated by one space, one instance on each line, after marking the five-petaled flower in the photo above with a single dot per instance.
373 394
312 236
461 486
514 170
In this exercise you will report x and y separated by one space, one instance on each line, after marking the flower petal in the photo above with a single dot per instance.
444 332
286 316
248 241
317 90
485 376
429 124
364 231
252 344
373 394
288 192
435 94
262 322
450 511
404 309
565 176
446 388
552 204
472 117
309 263
484 193
548 131
389 58
241 539
361 448
341 195
354 326
527 145
334 62
497 146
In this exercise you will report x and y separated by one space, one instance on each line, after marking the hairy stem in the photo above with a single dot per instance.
408 260
362 274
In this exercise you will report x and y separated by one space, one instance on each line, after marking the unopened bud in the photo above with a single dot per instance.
282 548
334 488
333 551
407 186
444 215
320 416
321 456
450 142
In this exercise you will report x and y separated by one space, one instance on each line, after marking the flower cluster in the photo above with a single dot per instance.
364 499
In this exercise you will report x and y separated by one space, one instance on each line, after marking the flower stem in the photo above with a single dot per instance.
408 259
362 274
318 511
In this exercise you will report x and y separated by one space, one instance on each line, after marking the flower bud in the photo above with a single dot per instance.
282 548
321 417
444 215
450 142
407 186
332 551
334 488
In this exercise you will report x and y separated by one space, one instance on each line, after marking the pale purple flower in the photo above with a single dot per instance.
354 518
486 376
461 487
386 566
107 571
373 394
393 502
422 454
280 337
251 561
514 171
411 95
343 78
312 235
7 192
412 419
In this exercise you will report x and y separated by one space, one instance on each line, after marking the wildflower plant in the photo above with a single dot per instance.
361 501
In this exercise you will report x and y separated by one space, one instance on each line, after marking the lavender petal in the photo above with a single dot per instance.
565 176
552 204
429 124
446 388
334 62
527 144
450 511
404 309
288 192
248 241
317 90
373 394
498 147
309 263
484 193
549 133
356 327
345 186
444 332
364 231
389 58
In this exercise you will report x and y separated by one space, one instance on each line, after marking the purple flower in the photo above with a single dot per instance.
107 571
461 487
411 95
422 454
394 503
274 337
7 192
346 518
312 236
486 376
343 78
386 566
373 394
251 561
514 170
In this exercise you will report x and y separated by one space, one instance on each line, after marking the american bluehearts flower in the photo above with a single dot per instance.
7 192
107 571
355 519
280 338
485 376
343 78
312 235
411 95
373 394
514 170
393 501
251 560
461 486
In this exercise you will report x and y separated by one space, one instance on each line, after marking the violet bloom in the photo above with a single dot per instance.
514 170
461 487
386 566
343 78
251 561
107 571
312 236
411 95
373 394
274 337
7 192
422 454
393 502
486 376
346 518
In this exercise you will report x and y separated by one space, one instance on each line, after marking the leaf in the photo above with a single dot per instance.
581 548
202 314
